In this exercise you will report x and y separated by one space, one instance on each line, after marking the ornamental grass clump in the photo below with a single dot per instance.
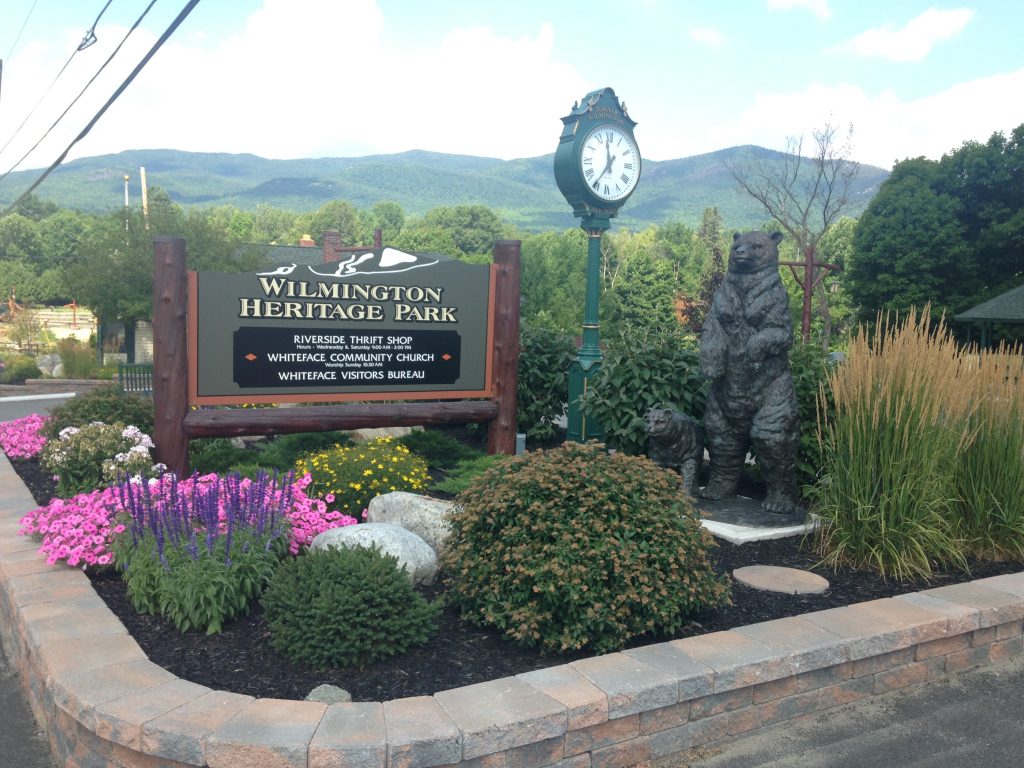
349 607
923 444
576 548
989 474
199 552
887 500
353 475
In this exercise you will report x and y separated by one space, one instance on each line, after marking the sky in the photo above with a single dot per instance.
350 78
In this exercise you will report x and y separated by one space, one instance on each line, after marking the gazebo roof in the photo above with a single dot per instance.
1006 307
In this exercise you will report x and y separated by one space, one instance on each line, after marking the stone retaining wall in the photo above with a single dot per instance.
106 704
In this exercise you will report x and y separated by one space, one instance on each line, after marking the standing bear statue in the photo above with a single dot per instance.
744 355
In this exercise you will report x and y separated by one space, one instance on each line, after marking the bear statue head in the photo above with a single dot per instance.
754 251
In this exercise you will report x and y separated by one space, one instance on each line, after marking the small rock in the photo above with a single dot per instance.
329 694
414 554
372 433
424 516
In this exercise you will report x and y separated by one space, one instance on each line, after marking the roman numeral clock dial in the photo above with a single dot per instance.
609 162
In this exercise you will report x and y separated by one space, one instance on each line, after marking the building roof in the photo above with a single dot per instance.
293 254
1006 307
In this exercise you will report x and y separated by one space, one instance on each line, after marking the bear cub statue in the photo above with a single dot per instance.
744 355
676 443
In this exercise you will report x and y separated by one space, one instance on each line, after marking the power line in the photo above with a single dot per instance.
182 15
23 25
81 93
87 40
15 43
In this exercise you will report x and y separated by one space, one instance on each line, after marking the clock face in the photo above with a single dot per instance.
610 162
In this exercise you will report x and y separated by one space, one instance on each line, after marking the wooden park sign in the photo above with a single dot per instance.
382 325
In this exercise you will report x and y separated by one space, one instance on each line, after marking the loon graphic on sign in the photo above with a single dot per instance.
384 261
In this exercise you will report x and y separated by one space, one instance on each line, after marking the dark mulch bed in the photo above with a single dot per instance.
241 660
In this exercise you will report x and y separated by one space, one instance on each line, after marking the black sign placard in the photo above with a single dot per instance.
344 357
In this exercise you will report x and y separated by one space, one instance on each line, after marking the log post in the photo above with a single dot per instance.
170 354
501 434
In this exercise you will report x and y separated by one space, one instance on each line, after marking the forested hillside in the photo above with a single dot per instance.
522 191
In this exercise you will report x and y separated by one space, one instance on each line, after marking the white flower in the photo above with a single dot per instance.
67 432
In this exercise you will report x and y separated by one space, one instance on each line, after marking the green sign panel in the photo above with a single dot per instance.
384 324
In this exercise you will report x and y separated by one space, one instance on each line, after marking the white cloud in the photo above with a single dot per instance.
818 7
915 40
707 36
885 129
288 85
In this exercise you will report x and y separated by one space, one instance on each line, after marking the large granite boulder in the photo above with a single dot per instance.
424 516
414 554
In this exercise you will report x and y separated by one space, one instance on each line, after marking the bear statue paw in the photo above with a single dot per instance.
779 505
716 491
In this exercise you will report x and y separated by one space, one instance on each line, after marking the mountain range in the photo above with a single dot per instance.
522 191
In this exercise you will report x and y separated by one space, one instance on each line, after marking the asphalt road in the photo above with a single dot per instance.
15 407
968 720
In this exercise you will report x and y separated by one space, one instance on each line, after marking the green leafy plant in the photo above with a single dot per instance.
284 450
215 454
644 368
543 382
577 548
106 403
200 551
347 477
810 367
17 368
437 448
463 473
338 608
96 455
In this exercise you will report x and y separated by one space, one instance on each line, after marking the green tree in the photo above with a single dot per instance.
389 216
335 216
474 228
19 239
553 279
909 246
427 239
61 235
645 293
949 232
272 225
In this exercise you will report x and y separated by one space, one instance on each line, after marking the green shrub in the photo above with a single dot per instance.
284 450
463 473
438 449
573 547
17 368
78 359
644 368
342 608
215 454
543 385
810 366
106 403
347 477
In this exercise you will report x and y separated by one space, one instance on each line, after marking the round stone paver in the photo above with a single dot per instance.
791 581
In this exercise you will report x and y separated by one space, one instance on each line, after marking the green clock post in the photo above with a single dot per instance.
597 167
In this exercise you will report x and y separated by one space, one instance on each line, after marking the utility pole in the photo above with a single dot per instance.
145 197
